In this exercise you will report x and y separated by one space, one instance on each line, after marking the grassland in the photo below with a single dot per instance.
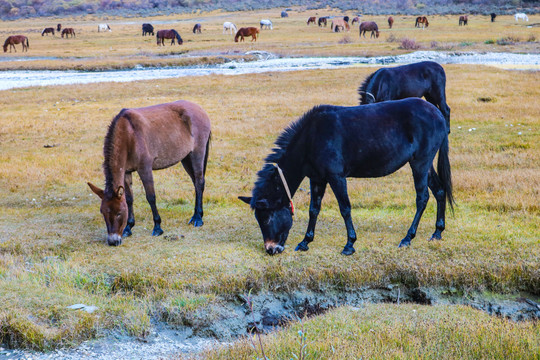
52 252
125 47
394 332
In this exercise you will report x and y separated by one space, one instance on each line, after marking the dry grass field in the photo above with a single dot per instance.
52 249
125 47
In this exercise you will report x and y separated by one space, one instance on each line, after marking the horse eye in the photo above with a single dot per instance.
118 215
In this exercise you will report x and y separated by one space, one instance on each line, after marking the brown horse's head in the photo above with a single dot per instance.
377 33
5 47
115 212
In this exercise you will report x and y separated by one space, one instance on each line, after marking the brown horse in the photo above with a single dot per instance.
369 26
58 27
323 20
67 32
13 40
47 31
463 19
249 31
390 22
311 19
161 35
339 23
197 28
145 139
421 20
355 20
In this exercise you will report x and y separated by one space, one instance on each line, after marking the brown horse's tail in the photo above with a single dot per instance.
207 152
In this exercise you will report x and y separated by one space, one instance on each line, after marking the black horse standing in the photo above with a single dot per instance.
423 79
331 143
147 29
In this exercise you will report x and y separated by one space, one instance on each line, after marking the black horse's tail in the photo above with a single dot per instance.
445 173
207 152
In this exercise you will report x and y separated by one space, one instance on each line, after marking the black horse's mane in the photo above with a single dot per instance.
363 87
284 140
108 151
177 35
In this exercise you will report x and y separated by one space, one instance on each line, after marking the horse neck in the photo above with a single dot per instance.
292 164
116 156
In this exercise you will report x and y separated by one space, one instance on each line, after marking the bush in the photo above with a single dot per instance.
392 38
508 40
409 44
531 38
490 41
345 40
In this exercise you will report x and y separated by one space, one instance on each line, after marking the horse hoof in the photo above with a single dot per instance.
348 251
404 243
435 237
126 233
196 222
302 247
157 232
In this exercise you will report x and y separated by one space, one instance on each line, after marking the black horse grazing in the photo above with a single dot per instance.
493 16
331 143
147 29
423 79
197 28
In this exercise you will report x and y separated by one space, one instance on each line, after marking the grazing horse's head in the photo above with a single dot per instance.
115 212
273 210
5 46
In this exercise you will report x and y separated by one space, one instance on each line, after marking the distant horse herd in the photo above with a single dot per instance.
338 24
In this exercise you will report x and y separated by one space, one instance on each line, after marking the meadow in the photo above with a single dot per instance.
52 249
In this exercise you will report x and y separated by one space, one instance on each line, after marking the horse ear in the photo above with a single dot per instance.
246 199
262 204
120 192
96 190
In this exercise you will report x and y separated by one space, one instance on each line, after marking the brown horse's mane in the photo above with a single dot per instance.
108 150
363 87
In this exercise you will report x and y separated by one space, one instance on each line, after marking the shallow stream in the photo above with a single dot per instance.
267 63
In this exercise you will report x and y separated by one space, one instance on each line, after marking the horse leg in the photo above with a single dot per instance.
437 189
317 193
339 187
145 173
194 166
129 199
420 175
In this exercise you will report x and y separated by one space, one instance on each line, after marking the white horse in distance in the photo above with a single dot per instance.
103 27
521 16
267 23
229 26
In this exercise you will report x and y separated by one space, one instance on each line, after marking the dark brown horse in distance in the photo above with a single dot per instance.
13 40
47 31
369 26
67 32
145 139
197 28
355 20
390 22
423 21
463 19
161 35
311 19
323 20
493 16
58 27
249 31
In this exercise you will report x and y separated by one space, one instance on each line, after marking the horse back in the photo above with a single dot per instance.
373 140
167 133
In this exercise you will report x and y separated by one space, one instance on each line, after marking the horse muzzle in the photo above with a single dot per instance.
273 248
114 239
